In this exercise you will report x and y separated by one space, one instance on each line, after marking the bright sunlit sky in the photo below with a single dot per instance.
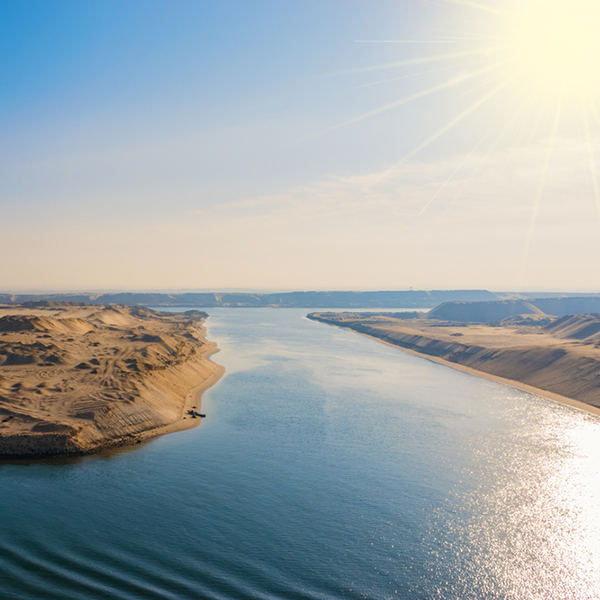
299 144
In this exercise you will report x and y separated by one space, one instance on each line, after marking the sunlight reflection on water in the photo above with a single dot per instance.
329 467
536 530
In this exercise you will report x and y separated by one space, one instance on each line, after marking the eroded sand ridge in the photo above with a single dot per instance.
80 378
555 355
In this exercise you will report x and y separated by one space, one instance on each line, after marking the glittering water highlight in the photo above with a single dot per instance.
330 466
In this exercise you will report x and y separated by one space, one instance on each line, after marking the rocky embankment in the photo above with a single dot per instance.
76 378
552 354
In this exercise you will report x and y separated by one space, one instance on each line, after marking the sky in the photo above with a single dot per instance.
299 145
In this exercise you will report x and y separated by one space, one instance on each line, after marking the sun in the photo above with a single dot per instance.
555 44
521 74
530 57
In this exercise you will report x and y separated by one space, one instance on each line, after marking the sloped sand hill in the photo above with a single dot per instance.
558 356
81 378
489 312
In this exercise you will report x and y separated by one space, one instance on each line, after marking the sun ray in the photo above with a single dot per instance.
458 119
495 144
470 37
525 120
531 62
403 41
418 61
476 5
595 113
593 170
446 127
519 115
540 191
447 84
356 87
464 35
513 129
486 82
541 112
582 143
453 174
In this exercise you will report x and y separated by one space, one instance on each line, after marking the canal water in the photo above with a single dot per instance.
329 466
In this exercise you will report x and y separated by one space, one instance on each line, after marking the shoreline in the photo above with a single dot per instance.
192 398
79 379
577 404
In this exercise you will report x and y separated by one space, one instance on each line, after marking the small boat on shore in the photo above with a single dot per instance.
194 414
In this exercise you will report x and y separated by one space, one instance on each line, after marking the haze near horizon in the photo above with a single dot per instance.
300 145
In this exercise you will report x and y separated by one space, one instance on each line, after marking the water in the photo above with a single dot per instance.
330 466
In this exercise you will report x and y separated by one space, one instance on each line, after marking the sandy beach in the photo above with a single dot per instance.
556 358
77 378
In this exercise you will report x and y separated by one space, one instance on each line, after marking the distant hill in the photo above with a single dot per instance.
568 306
459 303
490 312
383 299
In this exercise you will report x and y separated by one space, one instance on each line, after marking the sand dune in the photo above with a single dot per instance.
576 327
34 323
489 312
555 355
77 378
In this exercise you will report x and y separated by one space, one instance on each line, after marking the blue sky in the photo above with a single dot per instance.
204 145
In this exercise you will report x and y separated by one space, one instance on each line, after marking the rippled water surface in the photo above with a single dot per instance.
330 466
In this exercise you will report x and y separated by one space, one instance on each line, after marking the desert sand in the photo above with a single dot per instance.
78 378
555 357
491 312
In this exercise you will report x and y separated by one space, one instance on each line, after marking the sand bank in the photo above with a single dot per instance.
527 354
77 379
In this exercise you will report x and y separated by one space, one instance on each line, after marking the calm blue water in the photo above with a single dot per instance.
330 466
